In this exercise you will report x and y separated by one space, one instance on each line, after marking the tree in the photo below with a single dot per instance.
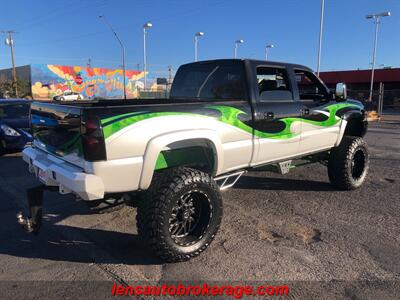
7 88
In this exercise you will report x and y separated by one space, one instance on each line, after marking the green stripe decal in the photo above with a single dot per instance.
161 162
110 119
179 157
229 115
117 126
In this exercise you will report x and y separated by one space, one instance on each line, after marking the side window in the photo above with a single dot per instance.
310 88
273 84
225 82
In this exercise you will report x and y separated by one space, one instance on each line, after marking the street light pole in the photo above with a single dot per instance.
267 48
371 89
321 31
145 27
377 21
123 51
237 43
196 41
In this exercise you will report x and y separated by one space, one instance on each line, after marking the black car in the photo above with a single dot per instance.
14 125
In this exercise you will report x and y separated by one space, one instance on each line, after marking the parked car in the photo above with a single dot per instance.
14 125
223 117
68 96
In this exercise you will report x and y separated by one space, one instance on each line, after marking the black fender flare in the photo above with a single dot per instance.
357 123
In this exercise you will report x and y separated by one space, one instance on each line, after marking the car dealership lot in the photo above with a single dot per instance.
275 228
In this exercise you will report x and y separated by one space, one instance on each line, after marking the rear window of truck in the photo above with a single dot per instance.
208 81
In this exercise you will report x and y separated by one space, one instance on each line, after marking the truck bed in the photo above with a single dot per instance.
77 130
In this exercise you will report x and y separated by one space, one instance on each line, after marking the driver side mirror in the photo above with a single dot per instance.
341 91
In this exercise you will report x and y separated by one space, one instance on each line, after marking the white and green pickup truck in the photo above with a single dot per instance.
223 117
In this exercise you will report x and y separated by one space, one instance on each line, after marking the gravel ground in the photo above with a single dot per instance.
294 229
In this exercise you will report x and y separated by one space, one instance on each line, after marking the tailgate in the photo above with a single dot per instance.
57 129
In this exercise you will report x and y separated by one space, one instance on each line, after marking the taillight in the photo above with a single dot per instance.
90 126
93 141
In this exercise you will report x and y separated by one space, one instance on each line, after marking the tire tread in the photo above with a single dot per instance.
339 160
152 209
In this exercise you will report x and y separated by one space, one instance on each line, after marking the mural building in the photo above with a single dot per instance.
47 81
52 80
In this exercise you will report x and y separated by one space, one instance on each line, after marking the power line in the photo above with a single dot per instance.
43 18
42 15
127 26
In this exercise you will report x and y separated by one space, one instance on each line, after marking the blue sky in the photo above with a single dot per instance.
69 31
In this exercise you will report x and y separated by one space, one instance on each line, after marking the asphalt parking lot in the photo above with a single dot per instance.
292 228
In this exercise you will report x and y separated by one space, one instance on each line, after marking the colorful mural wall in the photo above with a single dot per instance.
52 80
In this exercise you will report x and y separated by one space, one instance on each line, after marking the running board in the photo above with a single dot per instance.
228 180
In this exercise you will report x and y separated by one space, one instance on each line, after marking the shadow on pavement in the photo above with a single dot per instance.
60 242
74 244
281 184
124 248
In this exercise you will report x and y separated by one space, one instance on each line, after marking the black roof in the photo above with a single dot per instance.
254 62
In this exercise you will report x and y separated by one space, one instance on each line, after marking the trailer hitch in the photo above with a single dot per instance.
33 222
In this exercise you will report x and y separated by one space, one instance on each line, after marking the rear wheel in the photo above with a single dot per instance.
348 163
180 214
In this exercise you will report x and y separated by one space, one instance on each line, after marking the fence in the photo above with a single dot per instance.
391 99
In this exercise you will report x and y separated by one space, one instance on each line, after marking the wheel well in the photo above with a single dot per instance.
355 127
198 154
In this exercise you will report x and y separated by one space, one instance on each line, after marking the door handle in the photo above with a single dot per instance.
268 115
305 111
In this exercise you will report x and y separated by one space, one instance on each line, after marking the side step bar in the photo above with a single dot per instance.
228 180
284 166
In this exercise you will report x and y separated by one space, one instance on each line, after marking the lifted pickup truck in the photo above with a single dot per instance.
223 117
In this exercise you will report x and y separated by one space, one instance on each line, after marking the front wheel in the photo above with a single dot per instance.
180 214
348 163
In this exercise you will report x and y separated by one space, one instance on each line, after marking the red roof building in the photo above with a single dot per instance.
361 76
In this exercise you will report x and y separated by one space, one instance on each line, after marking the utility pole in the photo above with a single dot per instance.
10 42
